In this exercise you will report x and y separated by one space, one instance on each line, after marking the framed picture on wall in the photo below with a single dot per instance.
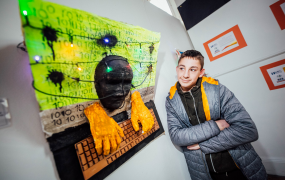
274 74
225 43
278 10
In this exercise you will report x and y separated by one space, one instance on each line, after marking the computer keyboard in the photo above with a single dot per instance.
89 160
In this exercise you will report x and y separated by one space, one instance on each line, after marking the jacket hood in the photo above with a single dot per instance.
209 80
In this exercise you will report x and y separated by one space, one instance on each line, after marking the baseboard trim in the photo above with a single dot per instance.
274 166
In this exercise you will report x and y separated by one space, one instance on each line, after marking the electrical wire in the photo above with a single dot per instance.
33 84
22 48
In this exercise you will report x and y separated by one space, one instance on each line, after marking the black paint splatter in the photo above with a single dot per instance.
56 77
50 35
151 48
112 41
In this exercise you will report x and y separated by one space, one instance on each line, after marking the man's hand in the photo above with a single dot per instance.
222 124
193 147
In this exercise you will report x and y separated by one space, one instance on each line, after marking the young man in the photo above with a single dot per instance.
212 127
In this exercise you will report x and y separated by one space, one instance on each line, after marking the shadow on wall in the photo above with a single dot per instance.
160 60
16 79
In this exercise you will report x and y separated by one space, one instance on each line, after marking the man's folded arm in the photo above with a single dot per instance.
185 136
242 129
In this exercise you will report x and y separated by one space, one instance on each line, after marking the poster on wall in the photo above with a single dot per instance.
225 43
278 10
274 74
94 81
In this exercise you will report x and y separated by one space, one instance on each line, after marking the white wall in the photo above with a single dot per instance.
240 72
179 2
24 151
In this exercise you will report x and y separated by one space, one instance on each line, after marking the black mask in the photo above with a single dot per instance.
113 76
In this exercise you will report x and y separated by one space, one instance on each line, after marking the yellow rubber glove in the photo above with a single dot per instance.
105 130
140 114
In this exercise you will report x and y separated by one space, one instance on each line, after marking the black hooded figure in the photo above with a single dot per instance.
113 76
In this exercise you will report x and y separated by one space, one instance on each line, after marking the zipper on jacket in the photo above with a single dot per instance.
187 107
205 165
212 163
195 107
200 123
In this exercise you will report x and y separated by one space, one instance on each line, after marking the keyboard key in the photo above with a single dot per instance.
90 140
114 158
91 163
109 160
94 155
83 159
96 160
89 158
101 157
79 148
85 167
84 143
92 150
87 153
86 148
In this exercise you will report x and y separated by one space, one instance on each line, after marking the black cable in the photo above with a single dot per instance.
86 62
64 63
143 81
77 79
68 96
79 97
22 48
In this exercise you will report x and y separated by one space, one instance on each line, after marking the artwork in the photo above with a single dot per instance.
225 43
87 68
274 74
278 10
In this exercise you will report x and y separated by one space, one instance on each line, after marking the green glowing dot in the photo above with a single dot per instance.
25 13
109 69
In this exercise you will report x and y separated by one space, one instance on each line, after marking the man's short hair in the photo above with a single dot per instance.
193 54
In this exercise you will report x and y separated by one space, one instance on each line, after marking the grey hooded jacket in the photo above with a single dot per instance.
219 103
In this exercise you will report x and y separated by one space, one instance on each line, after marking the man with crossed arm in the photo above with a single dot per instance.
212 127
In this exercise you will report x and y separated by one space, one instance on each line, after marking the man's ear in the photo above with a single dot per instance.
202 72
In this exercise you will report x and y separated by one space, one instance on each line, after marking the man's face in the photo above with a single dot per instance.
188 72
115 82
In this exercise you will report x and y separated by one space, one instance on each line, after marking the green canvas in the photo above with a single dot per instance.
65 40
